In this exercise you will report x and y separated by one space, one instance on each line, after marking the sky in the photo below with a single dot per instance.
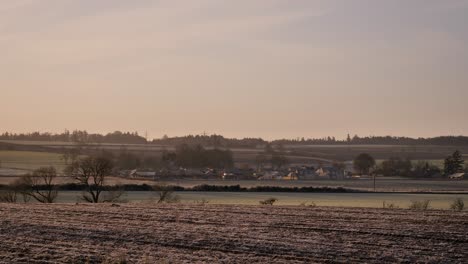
240 68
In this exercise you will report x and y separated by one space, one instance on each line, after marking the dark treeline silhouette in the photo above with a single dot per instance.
396 166
186 156
198 157
209 141
82 136
202 188
377 140
78 136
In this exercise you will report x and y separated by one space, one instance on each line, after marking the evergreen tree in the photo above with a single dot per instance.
363 163
454 163
458 161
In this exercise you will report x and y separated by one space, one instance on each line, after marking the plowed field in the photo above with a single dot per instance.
69 233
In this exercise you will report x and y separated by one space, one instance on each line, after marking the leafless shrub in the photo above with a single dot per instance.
24 197
420 205
8 196
165 194
39 186
308 204
203 201
114 196
11 193
386 205
269 201
458 204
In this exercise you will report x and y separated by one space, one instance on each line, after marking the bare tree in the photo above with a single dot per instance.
114 196
13 191
269 201
9 195
91 172
166 194
40 185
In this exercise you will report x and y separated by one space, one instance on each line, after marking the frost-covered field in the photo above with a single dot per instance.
182 233
376 200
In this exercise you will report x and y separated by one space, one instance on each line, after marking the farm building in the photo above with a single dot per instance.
304 172
329 173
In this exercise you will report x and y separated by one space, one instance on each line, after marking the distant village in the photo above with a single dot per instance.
363 165
210 156
288 174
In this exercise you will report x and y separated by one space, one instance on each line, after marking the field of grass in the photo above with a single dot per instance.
182 233
29 160
382 184
371 200
311 154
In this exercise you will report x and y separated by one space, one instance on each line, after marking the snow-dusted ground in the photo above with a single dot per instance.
178 233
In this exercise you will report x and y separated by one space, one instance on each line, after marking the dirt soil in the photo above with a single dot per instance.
178 233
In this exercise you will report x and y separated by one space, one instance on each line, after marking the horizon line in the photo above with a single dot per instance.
239 138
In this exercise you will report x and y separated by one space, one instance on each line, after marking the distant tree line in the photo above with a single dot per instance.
129 160
377 140
197 188
198 157
397 166
184 155
210 141
78 136
118 137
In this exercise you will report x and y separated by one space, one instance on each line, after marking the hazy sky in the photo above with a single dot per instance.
259 68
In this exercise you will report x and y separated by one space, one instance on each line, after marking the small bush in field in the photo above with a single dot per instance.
269 201
420 205
390 205
165 194
8 196
457 205
310 204
203 201
12 192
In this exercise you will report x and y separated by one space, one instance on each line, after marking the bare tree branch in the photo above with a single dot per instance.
91 172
